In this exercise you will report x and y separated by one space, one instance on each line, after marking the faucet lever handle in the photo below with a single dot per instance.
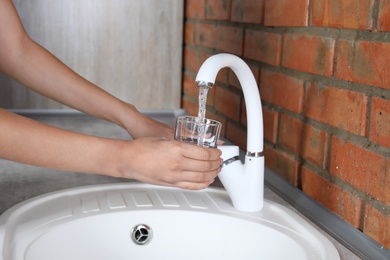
231 160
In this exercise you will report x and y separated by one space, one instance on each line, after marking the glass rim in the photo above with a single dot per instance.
192 119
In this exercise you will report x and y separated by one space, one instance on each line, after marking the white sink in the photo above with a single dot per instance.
96 222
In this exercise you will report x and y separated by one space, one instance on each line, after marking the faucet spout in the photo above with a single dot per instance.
207 75
243 182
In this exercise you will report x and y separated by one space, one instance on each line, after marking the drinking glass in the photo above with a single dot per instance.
202 132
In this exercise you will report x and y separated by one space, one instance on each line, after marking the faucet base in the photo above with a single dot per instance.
243 182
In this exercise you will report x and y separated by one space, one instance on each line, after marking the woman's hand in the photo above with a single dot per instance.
170 163
139 125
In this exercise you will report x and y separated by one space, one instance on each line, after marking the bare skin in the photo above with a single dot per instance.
153 157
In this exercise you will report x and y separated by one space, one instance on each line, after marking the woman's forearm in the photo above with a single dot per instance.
30 142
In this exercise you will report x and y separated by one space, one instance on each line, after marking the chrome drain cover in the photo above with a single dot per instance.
141 234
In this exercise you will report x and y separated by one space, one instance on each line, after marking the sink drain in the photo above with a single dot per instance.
141 234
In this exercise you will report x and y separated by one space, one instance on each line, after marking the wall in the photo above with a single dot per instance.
132 49
323 69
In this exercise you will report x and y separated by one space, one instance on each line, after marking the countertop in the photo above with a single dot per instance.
19 182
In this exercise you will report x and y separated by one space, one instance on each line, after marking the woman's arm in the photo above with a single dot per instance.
152 160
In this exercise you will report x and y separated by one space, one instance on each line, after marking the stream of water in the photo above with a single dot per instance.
202 112
202 103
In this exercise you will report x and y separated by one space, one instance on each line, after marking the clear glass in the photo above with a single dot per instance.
190 129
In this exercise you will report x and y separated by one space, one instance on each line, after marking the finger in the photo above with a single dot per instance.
199 177
201 166
193 185
200 153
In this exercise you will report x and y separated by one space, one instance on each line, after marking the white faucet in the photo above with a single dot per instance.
243 182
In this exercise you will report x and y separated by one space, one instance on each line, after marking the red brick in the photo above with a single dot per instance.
352 209
206 35
377 226
313 54
189 87
195 9
380 121
286 13
270 120
193 59
365 170
228 103
230 39
218 9
364 62
353 14
211 97
304 140
190 106
189 33
341 202
282 90
248 11
384 15
283 164
263 46
236 135
344 109
223 38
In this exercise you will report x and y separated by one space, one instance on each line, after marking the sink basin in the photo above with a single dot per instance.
140 221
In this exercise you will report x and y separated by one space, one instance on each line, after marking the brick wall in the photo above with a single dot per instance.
323 69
